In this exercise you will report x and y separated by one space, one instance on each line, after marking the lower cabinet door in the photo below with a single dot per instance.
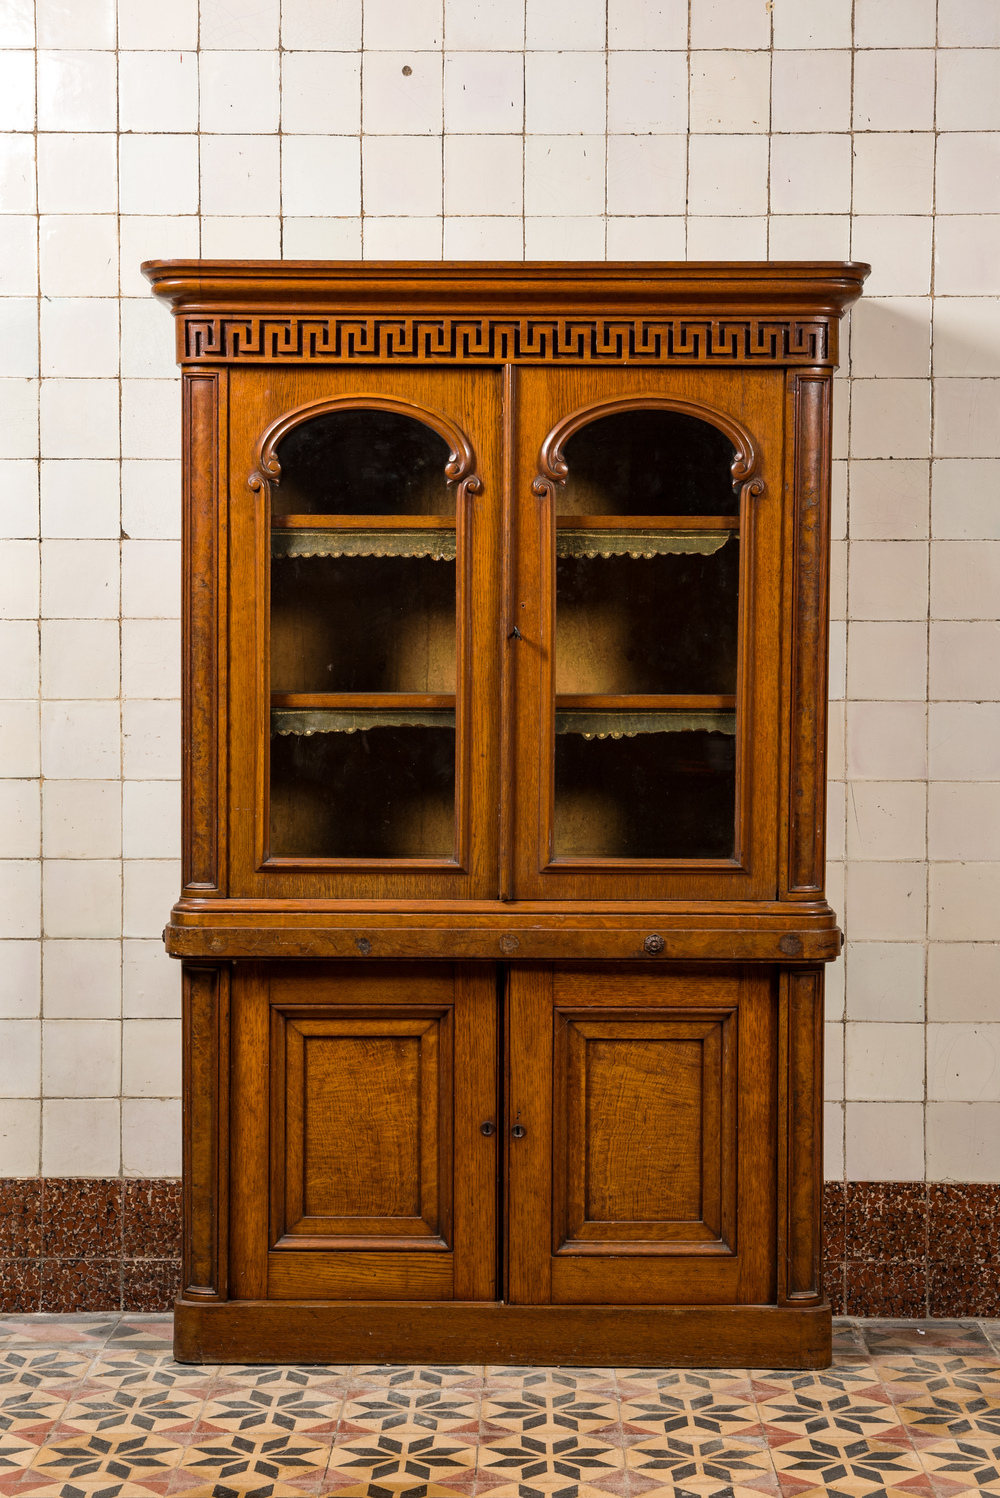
641 1135
359 1165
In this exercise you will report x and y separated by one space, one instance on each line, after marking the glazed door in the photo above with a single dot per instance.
360 1165
645 617
641 1136
365 508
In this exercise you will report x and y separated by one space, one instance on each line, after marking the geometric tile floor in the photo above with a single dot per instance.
93 1406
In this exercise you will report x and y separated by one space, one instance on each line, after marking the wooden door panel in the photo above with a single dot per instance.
640 1147
470 400
367 1135
646 1100
755 401
359 1167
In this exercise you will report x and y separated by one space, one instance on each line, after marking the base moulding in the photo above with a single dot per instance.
459 1332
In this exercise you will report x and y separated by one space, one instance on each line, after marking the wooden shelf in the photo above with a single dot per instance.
363 522
363 701
627 725
638 544
604 703
432 544
648 522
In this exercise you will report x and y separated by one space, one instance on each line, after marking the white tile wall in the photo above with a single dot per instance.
627 129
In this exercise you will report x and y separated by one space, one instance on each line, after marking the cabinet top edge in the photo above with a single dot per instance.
817 286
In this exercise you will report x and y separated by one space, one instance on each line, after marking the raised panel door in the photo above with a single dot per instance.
645 1167
360 1167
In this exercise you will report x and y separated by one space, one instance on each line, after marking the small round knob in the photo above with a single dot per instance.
519 1131
488 1128
654 944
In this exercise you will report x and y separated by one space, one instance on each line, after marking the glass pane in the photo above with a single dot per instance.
659 624
647 629
384 792
648 463
362 624
653 795
363 463
363 641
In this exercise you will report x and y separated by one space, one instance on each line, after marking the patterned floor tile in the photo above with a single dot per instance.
944 1488
22 1408
968 1463
678 1458
991 1331
684 1382
322 1374
550 1486
253 1460
393 1456
906 1377
274 1410
42 1369
937 1414
390 1376
712 1487
590 1383
132 1410
404 1488
810 1412
94 1463
250 1487
112 1375
818 1383
17 1450
64 1330
837 1464
846 1336
536 1410
576 1458
881 1337
416 1409
711 1413
152 1331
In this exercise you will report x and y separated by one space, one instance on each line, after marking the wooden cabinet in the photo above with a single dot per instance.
503 923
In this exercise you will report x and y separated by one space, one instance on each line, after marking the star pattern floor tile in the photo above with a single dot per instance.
95 1407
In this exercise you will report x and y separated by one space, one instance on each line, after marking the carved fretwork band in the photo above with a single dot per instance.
537 340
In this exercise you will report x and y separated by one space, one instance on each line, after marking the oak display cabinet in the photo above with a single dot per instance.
503 923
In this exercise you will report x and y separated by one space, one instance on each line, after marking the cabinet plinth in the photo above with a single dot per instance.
503 921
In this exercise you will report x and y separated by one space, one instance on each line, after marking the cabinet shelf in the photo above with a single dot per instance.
306 713
648 522
627 725
311 522
637 543
431 543
305 722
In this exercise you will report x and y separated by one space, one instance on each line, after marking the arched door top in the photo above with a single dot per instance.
553 467
459 468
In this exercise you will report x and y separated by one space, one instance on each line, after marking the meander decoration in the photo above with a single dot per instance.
503 923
